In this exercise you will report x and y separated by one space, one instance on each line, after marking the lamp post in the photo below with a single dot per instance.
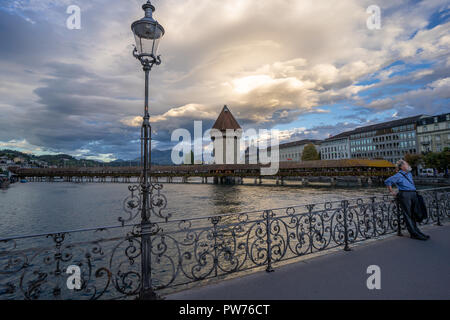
147 32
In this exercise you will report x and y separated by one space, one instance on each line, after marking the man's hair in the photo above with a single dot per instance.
399 163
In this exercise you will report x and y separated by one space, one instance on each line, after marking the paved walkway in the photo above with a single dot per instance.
410 269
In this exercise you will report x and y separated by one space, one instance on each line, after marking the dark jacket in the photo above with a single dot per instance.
420 210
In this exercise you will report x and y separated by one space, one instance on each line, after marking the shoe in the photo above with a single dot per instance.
423 234
419 237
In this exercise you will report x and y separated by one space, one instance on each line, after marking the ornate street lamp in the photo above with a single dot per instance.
147 32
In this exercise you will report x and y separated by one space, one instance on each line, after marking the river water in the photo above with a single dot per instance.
32 208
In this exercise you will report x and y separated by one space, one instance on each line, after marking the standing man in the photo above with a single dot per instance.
407 197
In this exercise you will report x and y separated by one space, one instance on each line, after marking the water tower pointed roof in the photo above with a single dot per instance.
226 121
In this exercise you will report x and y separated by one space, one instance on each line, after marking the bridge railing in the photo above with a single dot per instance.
194 251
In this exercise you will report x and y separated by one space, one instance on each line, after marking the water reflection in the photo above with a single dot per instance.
47 207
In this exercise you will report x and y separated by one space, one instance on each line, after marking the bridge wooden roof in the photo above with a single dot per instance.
325 164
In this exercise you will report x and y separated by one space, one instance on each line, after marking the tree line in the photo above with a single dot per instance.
433 160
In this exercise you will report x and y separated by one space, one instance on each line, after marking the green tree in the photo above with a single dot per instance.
444 159
414 160
310 153
438 160
431 160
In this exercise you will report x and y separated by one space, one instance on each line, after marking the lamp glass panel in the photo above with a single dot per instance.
147 38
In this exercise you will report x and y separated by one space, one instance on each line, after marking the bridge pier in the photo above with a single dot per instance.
333 181
360 183
280 181
229 180
305 182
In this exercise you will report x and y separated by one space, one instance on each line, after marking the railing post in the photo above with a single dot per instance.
147 292
215 221
436 198
268 214
310 232
399 215
374 218
344 205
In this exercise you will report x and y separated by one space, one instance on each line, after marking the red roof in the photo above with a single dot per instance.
226 121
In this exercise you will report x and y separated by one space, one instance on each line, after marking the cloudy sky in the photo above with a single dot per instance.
310 68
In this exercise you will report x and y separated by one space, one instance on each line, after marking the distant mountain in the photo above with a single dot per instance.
159 157
162 157
60 160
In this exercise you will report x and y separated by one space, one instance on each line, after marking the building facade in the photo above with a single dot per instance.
434 133
336 148
389 140
293 151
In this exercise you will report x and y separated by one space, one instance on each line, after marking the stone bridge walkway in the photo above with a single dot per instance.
410 269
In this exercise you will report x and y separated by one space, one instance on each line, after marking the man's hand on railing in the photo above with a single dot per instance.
392 192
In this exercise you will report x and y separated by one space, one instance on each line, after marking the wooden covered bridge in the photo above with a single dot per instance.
364 170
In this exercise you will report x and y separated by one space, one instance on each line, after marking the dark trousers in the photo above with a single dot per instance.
409 203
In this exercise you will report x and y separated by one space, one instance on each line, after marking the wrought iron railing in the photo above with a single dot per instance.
194 250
